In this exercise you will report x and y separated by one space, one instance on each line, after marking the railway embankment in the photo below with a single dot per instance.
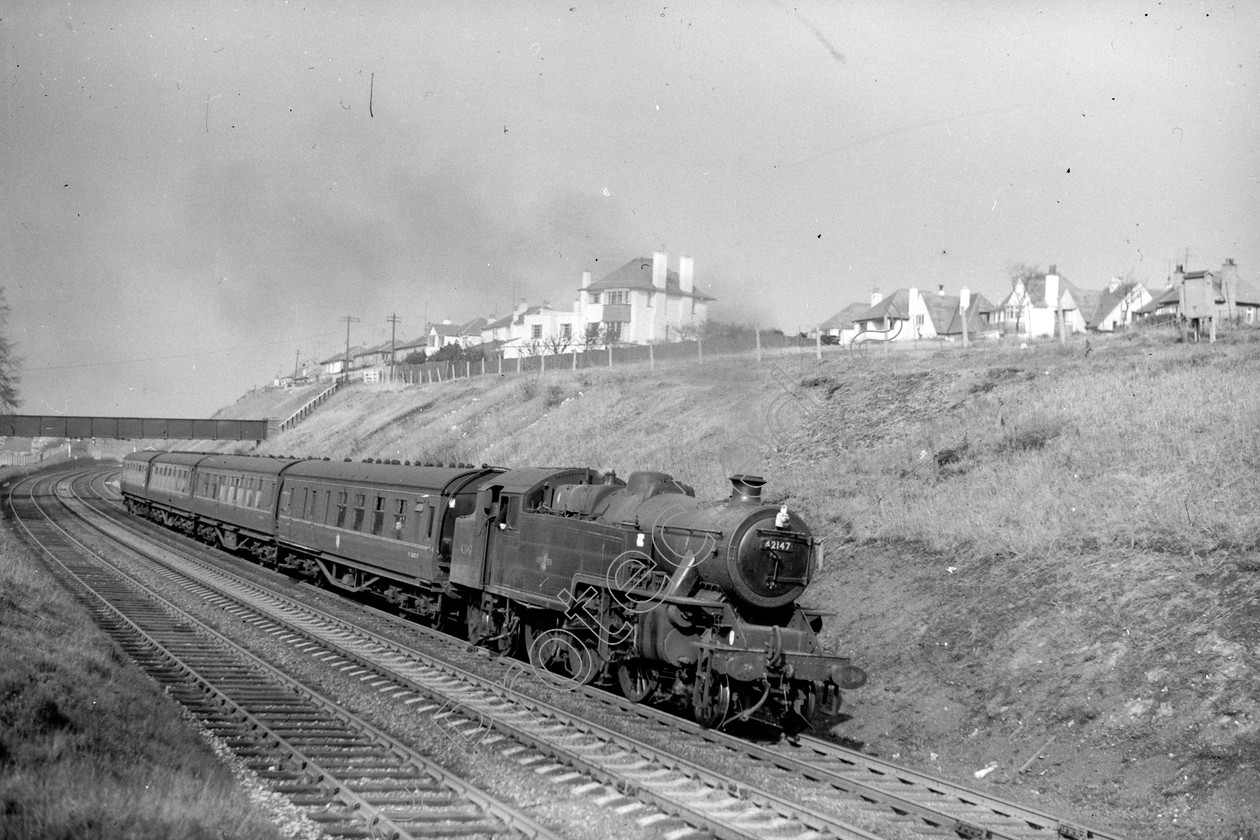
1046 558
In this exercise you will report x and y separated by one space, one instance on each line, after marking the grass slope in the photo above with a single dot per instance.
1049 545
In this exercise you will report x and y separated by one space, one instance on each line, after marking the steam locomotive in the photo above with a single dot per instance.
592 578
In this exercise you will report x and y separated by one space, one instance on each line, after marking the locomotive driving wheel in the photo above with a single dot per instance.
637 681
711 700
559 656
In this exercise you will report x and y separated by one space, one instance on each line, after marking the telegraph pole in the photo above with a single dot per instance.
345 372
393 331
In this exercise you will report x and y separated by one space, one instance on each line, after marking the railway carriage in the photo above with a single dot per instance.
384 528
233 502
166 493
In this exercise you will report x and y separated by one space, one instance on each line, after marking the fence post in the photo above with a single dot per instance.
518 364
700 349
651 358
575 360
610 355
757 330
467 369
542 364
818 344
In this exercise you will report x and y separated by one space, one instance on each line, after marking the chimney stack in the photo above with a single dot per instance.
940 290
586 280
876 297
686 275
746 488
1052 289
660 266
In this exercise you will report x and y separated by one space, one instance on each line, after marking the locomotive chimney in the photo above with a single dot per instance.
746 488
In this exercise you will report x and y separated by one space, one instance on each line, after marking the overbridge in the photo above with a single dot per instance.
133 428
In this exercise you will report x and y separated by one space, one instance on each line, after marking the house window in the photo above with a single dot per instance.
918 322
619 296
566 332
594 297
612 331
535 332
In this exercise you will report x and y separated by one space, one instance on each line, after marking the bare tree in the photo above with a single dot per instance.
556 343
10 363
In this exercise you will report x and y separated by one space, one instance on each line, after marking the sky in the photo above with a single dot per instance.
196 194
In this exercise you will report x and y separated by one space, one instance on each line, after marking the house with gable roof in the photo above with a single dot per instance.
1190 294
1115 307
841 328
643 302
465 334
910 315
1034 305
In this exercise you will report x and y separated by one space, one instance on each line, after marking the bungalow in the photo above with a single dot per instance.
334 365
1115 306
909 315
841 328
1036 303
465 334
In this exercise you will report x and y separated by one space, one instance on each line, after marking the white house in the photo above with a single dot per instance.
640 303
1034 305
910 315
1117 306
643 302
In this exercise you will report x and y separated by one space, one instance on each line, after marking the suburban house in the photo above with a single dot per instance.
465 334
1197 294
534 331
841 328
1115 307
334 365
1035 304
643 302
910 315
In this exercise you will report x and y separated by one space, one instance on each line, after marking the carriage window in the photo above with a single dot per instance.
306 498
378 515
400 517
341 508
310 505
432 516
360 501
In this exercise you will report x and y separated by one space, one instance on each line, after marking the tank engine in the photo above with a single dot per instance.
640 582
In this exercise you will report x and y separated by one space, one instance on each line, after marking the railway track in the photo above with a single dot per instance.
849 791
349 777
